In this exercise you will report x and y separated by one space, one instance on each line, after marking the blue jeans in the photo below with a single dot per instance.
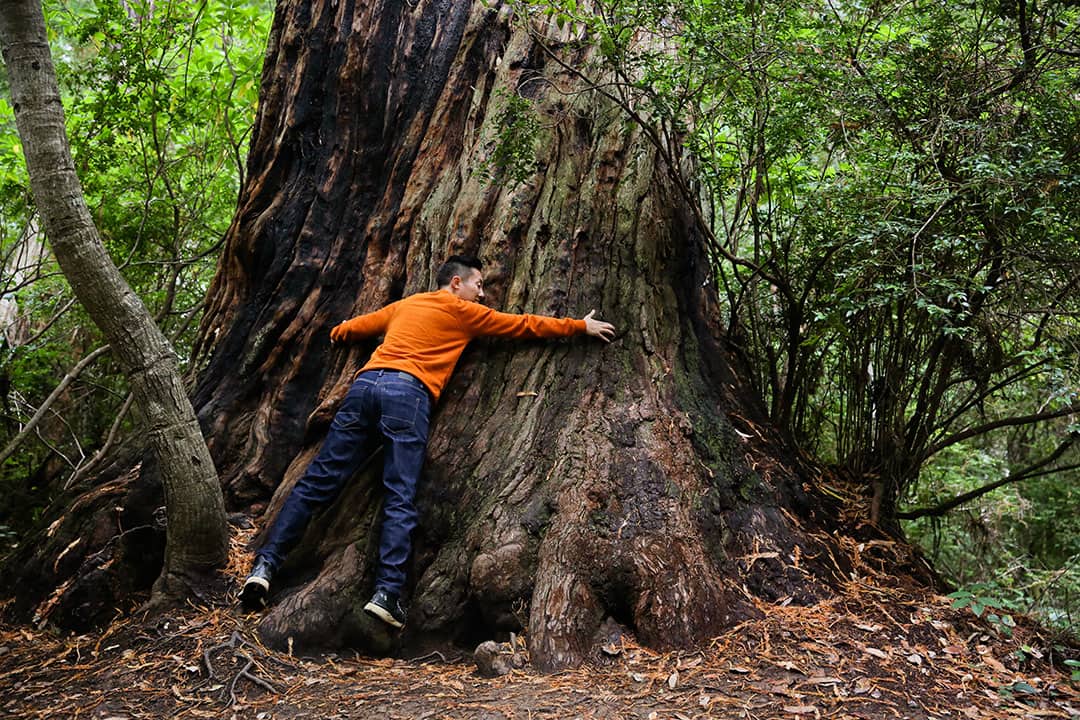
382 404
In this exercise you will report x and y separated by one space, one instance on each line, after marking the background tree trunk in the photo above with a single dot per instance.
197 538
567 483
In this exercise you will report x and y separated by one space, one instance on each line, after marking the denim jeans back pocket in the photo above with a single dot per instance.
349 420
399 414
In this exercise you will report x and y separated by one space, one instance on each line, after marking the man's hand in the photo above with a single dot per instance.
598 328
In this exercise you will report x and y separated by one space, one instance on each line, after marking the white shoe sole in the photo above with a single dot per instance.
381 613
253 594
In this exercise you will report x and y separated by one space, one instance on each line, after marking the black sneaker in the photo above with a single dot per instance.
387 608
257 586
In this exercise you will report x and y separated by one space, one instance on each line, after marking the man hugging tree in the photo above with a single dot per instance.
390 402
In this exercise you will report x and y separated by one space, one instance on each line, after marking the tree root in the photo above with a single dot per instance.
239 646
172 590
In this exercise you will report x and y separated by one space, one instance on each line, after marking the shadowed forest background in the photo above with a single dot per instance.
887 199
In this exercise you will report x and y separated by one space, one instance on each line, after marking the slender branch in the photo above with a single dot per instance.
32 424
976 397
38 277
52 448
1066 53
996 424
1034 470
110 439
1030 62
45 328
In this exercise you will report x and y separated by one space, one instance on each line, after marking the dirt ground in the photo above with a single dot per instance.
876 651
883 647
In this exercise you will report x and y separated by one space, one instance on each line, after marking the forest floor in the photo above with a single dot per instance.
881 648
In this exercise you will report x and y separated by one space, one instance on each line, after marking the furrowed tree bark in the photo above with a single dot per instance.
197 538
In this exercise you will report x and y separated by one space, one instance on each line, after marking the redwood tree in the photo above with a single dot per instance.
567 483
570 486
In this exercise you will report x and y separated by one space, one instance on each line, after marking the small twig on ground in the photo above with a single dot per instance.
253 678
433 653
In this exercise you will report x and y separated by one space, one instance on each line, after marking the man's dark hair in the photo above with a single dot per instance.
456 265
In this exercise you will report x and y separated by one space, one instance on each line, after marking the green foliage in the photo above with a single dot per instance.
980 597
1019 543
159 99
1018 687
511 152
160 106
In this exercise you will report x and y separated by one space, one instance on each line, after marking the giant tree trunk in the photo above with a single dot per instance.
567 482
195 512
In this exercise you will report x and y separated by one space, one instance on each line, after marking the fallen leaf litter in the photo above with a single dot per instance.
883 647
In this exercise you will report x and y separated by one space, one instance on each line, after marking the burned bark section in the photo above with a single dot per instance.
348 91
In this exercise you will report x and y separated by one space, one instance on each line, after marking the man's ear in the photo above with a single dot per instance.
455 282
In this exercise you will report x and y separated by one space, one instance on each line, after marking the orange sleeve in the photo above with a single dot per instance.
480 320
364 326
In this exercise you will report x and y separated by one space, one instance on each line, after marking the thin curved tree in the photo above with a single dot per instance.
194 507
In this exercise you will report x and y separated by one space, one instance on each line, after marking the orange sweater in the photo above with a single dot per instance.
426 333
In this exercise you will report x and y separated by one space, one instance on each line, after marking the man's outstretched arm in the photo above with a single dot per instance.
484 321
363 326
